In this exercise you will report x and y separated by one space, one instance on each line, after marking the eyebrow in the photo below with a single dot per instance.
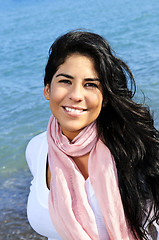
64 75
71 77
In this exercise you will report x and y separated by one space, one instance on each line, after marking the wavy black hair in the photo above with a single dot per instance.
126 127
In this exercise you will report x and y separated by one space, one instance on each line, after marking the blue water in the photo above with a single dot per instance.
27 30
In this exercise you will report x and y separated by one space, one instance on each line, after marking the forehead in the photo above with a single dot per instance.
77 62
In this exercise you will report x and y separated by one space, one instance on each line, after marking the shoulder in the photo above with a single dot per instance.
36 141
36 145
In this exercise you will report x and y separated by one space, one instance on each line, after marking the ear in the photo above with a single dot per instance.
105 101
47 92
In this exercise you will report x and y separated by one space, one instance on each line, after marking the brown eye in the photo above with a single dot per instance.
65 81
91 85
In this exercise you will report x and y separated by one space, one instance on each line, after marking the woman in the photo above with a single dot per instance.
96 170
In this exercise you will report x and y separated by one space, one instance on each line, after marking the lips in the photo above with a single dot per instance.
74 109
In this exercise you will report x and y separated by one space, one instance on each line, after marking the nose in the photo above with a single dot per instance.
76 93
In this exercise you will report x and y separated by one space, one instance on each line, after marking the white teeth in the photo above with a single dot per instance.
73 110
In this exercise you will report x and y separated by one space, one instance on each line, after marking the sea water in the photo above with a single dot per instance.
27 30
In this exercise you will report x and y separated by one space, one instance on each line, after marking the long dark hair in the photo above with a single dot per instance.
127 128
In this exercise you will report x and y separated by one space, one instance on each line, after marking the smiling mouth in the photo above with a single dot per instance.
74 110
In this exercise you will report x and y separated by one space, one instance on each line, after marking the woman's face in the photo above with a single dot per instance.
75 94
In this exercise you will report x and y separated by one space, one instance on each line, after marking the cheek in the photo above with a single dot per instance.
96 101
54 100
57 95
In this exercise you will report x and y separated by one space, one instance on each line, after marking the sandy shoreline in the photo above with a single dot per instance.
13 198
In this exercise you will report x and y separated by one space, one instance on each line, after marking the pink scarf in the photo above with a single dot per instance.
69 208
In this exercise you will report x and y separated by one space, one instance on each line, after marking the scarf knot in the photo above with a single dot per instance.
80 145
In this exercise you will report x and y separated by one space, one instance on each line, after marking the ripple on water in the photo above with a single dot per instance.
13 199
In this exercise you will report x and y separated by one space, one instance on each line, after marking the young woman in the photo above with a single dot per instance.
96 170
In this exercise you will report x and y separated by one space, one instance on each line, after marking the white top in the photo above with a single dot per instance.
37 207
